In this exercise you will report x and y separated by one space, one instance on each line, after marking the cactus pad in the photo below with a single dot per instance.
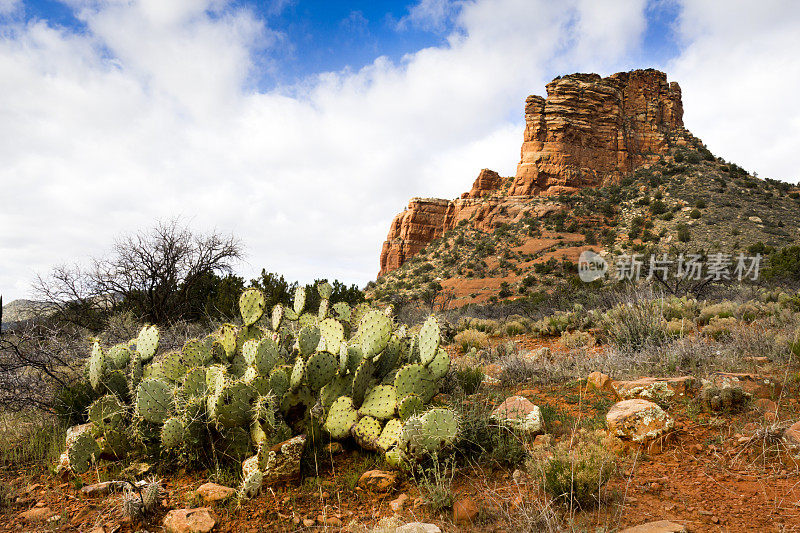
279 381
342 310
251 485
320 369
298 371
308 339
299 300
414 379
97 366
338 386
366 432
172 433
119 356
440 364
380 402
107 413
361 381
342 416
227 337
277 317
82 452
390 435
374 330
428 433
231 405
322 312
251 305
333 333
154 400
429 338
147 343
325 290
409 406
195 353
266 356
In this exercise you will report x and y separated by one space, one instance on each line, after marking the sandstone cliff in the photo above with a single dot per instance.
587 132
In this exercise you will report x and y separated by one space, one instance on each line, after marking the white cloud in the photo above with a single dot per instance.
9 7
150 114
739 72
430 15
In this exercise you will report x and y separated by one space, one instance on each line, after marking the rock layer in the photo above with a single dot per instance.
587 132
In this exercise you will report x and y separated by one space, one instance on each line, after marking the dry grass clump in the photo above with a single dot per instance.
636 323
471 338
678 327
485 325
577 339
718 328
724 309
575 470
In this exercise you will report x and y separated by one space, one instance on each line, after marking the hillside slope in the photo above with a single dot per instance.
605 165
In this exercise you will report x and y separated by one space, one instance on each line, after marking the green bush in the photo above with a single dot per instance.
575 470
683 233
471 338
634 324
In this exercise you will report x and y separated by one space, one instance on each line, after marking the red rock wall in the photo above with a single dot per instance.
588 131
591 130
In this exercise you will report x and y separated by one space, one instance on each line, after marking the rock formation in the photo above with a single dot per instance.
587 132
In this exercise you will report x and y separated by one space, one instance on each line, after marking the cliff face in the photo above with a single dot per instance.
587 132
591 130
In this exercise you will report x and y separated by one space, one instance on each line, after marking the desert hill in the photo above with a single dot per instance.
605 164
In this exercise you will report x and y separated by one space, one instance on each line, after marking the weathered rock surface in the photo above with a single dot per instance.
283 460
418 527
200 520
464 511
662 526
377 481
638 420
587 132
661 389
519 413
212 493
590 130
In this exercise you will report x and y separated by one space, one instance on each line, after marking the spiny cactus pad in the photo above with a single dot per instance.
251 305
320 369
390 435
154 400
298 372
147 343
374 330
380 402
429 432
308 339
342 416
429 338
277 317
414 379
333 333
227 338
82 452
366 432
361 380
440 364
299 300
409 406
97 366
172 433
107 413
342 311
231 405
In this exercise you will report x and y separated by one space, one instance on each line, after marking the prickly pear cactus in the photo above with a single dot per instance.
251 306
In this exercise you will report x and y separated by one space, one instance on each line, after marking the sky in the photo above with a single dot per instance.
303 127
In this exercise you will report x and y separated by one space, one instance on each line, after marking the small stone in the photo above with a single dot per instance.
519 477
308 522
102 489
332 521
662 526
397 504
519 413
283 460
464 511
212 493
418 527
334 448
377 480
200 520
792 434
601 382
638 420
37 514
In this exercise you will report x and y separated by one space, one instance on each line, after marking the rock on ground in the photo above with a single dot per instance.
199 520
662 526
519 413
283 460
418 527
212 493
377 481
661 389
638 420
465 511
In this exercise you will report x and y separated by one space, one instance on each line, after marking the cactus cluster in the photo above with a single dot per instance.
352 371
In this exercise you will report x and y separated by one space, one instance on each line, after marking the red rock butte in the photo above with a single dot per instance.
589 131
